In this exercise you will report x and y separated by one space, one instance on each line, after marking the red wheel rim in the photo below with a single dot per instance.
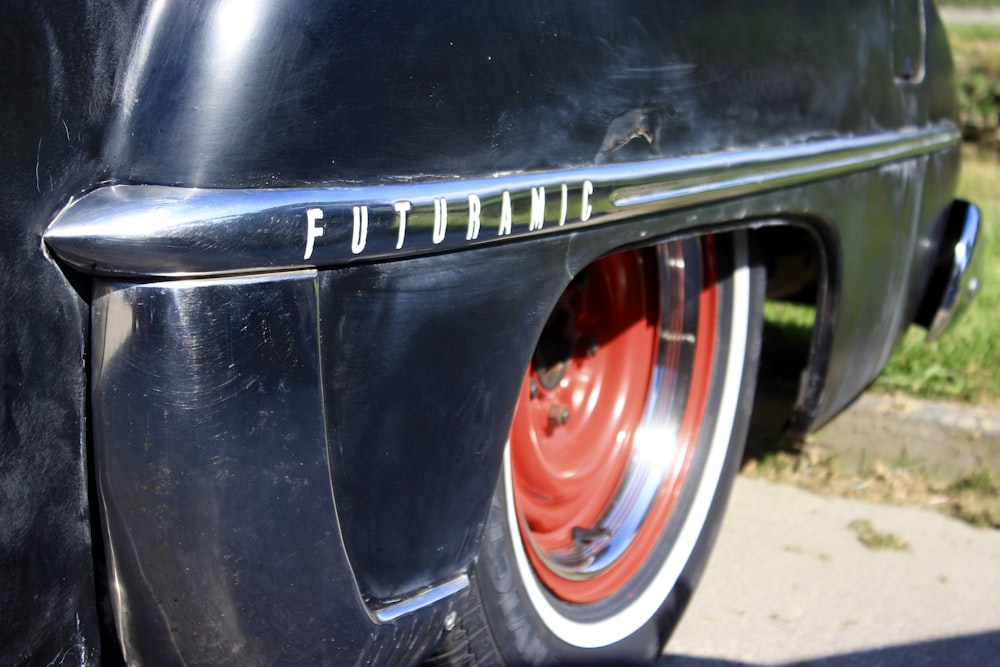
584 405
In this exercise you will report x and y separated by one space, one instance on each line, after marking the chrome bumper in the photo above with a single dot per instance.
957 275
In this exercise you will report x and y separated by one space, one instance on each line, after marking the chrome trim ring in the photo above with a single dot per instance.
629 619
655 450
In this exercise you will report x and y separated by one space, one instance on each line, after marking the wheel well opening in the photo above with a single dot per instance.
794 345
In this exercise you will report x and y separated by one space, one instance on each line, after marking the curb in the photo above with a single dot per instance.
947 439
988 15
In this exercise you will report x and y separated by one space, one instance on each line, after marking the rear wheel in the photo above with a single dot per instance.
626 438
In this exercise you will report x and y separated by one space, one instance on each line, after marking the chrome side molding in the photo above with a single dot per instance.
149 230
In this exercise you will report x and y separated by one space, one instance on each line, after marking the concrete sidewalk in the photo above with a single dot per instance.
791 584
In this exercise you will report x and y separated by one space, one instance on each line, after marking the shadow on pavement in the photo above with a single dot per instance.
964 651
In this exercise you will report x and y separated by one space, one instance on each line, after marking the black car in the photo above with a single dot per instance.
384 332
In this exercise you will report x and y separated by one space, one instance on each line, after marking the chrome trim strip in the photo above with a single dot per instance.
148 230
424 598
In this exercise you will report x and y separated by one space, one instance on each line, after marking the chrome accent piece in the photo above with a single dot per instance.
148 230
207 415
424 598
964 277
708 178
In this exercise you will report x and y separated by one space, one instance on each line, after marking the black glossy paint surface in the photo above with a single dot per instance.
58 67
274 94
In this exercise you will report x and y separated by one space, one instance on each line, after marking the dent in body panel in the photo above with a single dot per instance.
902 228
878 228
937 194
387 91
911 176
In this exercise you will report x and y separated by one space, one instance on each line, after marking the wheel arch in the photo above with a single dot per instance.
803 264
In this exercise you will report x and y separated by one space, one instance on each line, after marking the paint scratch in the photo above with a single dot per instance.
38 160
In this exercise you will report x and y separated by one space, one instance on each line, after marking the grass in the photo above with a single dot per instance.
876 539
974 498
972 38
975 44
970 3
981 480
964 364
976 49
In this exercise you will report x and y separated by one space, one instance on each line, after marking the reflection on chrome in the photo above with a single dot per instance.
169 231
963 279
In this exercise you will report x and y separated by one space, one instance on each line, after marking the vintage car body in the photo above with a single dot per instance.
274 272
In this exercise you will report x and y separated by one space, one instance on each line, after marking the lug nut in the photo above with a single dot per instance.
532 388
587 536
558 415
589 346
